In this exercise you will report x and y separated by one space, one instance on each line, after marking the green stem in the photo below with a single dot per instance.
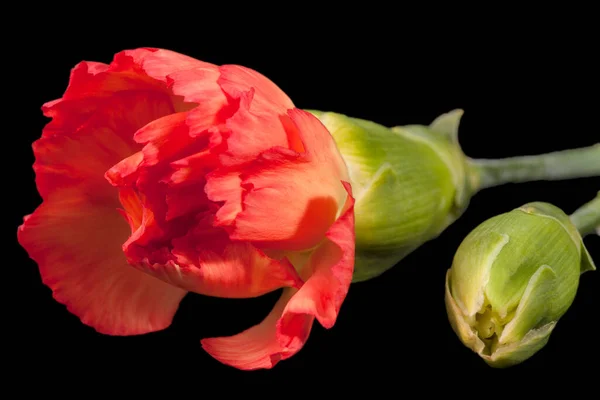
587 217
566 164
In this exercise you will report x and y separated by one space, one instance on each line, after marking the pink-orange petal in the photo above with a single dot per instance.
77 246
301 192
286 329
328 272
199 86
157 63
319 145
225 186
252 131
258 347
288 204
268 96
237 271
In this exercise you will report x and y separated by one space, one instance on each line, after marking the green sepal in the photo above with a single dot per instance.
587 264
447 125
381 199
442 136
471 268
535 306
463 330
516 353
551 211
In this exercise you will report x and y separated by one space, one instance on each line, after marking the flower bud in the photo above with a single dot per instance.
410 183
511 280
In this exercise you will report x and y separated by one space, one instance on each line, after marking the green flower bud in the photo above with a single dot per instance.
410 183
511 280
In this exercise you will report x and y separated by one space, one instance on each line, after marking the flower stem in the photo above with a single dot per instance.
566 164
587 217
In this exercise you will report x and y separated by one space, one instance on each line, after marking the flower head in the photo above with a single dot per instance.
161 175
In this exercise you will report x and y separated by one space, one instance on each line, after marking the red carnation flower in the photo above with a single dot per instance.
162 175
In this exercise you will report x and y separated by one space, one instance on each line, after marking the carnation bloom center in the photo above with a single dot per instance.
164 195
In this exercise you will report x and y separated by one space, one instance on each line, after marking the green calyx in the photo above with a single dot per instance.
511 280
410 182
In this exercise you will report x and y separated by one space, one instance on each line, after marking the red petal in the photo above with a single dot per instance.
68 116
124 172
145 234
224 186
97 80
77 245
319 144
194 80
93 84
328 272
259 347
192 169
166 206
132 208
164 138
82 157
173 138
186 200
285 330
258 123
209 264
301 192
252 131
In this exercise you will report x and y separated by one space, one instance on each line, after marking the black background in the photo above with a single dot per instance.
527 86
